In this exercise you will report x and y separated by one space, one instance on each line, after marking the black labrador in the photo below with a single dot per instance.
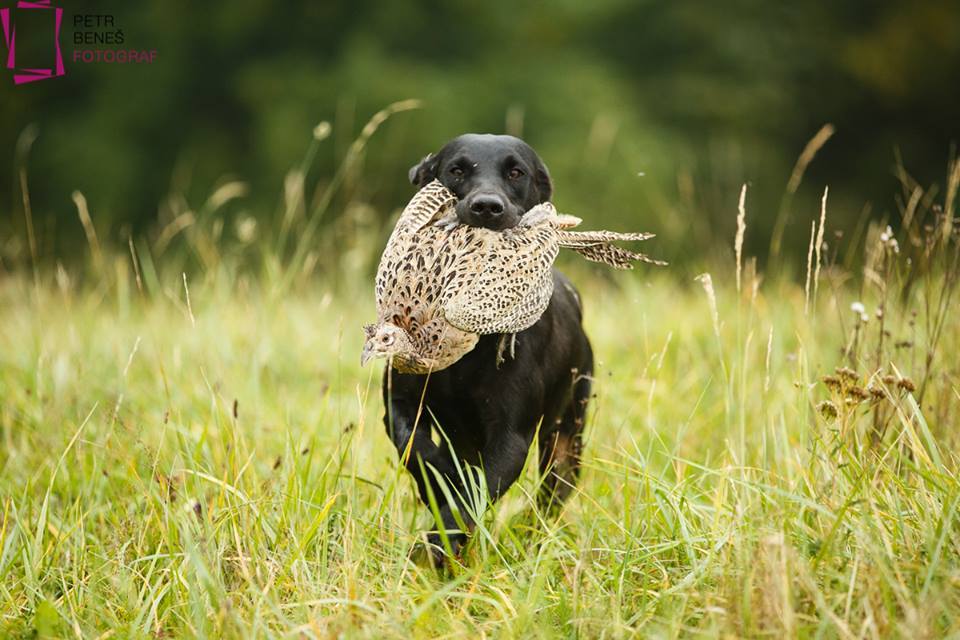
487 407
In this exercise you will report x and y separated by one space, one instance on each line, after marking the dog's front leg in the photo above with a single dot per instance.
410 431
502 458
431 466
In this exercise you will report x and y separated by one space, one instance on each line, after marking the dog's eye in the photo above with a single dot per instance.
456 171
515 174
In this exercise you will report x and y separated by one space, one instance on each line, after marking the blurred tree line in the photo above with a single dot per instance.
650 114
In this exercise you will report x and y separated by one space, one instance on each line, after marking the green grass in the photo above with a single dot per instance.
217 467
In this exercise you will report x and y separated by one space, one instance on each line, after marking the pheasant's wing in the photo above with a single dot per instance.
426 206
411 251
442 344
410 281
506 281
597 246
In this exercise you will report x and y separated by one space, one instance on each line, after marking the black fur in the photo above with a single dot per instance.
500 178
490 412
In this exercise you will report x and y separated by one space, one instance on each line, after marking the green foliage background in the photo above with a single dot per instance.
697 96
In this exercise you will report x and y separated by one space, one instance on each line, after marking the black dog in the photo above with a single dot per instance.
489 410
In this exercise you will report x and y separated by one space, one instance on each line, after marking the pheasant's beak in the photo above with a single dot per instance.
366 354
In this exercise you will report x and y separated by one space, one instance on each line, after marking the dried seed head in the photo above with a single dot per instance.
876 392
828 410
858 394
858 308
847 373
832 382
889 380
907 385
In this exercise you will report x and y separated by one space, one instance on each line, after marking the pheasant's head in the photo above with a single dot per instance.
385 340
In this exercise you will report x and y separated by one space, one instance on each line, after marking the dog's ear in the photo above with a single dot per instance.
541 178
424 171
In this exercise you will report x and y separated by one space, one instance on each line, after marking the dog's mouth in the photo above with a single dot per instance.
506 218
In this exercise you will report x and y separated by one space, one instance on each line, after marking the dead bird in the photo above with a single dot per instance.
440 285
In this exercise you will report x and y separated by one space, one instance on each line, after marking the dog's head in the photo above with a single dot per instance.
495 178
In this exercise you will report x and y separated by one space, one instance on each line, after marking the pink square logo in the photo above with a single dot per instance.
22 75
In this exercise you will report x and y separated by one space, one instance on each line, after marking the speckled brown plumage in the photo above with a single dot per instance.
440 285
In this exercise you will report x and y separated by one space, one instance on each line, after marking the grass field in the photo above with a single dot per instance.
201 456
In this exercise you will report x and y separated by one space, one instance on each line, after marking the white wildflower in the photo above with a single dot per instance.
246 229
321 131
888 240
858 308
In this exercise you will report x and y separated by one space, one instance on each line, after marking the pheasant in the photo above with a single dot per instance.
441 285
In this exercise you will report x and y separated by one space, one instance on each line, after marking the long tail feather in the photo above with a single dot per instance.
614 256
596 246
584 238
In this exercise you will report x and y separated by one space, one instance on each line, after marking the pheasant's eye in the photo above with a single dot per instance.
387 340
456 171
515 174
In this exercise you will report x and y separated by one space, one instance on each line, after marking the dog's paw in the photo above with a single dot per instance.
436 551
427 554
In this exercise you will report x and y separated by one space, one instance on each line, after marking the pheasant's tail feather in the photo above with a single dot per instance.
596 246
572 239
614 256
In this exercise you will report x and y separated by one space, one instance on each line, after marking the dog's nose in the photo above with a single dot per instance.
487 206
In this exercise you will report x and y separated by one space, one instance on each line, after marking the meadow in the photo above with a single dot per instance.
196 452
